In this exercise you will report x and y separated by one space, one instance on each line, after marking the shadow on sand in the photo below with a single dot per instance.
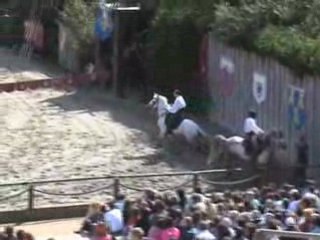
135 116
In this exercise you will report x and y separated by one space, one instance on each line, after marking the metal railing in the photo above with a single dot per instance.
264 234
195 181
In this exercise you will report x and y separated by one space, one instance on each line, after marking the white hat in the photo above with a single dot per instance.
293 191
290 221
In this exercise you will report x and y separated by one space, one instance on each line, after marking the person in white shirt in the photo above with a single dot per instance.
114 219
174 117
250 124
204 233
250 128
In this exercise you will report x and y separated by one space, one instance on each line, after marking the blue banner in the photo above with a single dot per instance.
103 26
297 113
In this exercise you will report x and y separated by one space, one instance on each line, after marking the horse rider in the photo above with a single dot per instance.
174 116
250 129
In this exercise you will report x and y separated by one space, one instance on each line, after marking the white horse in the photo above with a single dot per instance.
187 128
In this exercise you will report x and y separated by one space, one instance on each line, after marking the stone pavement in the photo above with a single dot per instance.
57 229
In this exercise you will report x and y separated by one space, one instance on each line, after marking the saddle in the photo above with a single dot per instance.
173 121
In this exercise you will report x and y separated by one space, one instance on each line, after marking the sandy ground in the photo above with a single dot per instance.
14 68
58 229
49 134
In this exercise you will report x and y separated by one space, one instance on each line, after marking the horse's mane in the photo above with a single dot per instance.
163 98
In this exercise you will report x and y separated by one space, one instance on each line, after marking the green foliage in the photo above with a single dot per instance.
288 30
11 26
80 16
176 35
176 47
291 47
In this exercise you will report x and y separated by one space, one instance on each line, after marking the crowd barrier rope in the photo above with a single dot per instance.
194 181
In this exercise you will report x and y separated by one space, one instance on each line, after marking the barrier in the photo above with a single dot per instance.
194 182
264 234
63 83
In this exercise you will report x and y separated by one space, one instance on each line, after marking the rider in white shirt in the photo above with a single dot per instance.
250 124
250 128
175 110
178 104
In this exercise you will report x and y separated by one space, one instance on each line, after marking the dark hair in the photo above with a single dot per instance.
198 190
177 92
20 234
9 230
120 197
182 198
252 113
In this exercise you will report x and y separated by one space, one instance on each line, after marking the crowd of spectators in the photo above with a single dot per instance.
10 234
232 215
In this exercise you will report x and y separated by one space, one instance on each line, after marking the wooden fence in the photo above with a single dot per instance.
240 80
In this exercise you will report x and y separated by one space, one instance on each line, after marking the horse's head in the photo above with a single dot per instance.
158 102
154 101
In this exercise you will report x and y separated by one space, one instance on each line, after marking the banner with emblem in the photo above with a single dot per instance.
259 87
104 25
227 83
297 113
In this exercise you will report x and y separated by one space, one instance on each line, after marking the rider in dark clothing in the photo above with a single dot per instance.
302 149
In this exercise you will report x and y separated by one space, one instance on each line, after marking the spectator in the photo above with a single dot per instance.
316 224
204 233
20 235
136 234
302 159
29 236
9 233
169 231
188 232
120 201
155 230
102 232
229 215
114 219
307 220
94 216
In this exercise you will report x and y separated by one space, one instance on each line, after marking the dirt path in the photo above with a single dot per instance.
14 68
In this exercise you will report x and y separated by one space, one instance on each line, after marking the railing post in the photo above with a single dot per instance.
116 187
195 182
30 198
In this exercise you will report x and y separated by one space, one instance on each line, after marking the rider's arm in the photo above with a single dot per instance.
251 126
256 129
178 104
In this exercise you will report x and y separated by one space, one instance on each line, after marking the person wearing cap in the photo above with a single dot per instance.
174 117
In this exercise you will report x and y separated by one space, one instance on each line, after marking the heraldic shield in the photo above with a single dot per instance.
297 113
259 87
